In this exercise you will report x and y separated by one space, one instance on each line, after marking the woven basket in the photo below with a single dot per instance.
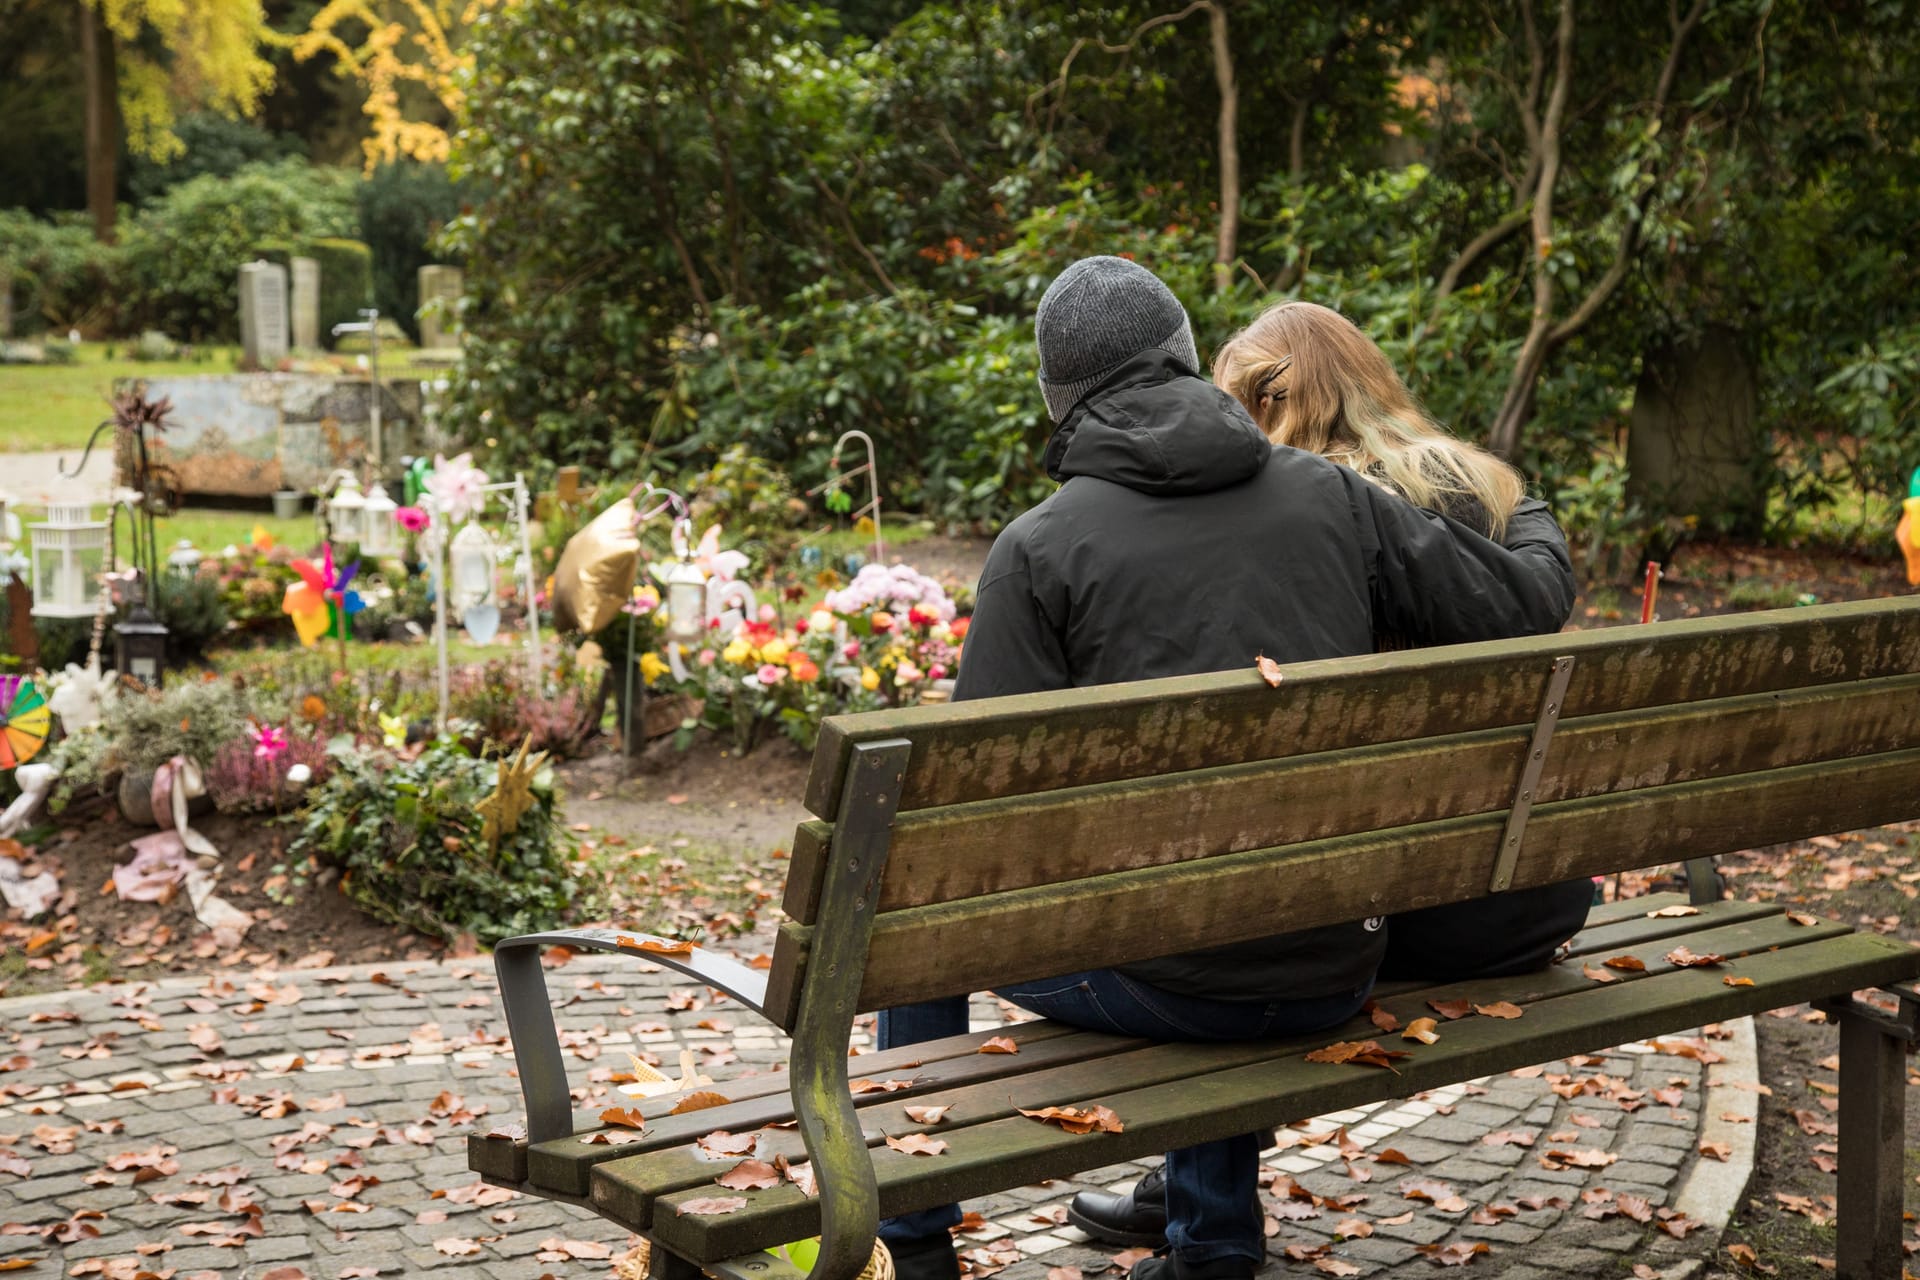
633 1264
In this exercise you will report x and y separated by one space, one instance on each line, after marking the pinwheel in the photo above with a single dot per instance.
321 603
24 720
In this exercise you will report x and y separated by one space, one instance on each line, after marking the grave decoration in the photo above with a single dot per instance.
1907 533
839 501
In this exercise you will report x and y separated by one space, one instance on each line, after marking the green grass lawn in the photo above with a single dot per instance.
57 406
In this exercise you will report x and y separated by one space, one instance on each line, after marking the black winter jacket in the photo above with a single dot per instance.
1181 541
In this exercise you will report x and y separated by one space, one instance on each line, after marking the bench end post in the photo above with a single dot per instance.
1872 1116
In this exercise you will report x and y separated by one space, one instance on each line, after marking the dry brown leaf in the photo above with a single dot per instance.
858 1087
623 1117
1626 964
1802 919
1588 1159
928 1115
1457 1254
750 1175
1440 1195
1335 1267
722 1143
1381 1018
1391 1155
1421 1029
1269 670
1682 958
654 946
710 1205
917 1144
1359 1053
455 1246
999 1044
1353 1229
699 1102
1077 1120
1499 1009
1715 1150
1451 1009
1598 975
1673 912
1732 981
1509 1138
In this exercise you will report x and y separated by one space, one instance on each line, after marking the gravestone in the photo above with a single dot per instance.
440 290
263 314
306 304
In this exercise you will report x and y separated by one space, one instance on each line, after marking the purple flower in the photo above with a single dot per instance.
269 742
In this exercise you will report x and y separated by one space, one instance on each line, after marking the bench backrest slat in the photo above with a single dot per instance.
1053 830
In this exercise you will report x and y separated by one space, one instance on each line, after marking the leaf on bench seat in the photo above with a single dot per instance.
928 1115
1674 912
710 1205
1451 1009
1682 958
750 1175
699 1102
623 1117
1077 1120
857 1087
654 946
1596 975
722 1143
1499 1009
999 1044
1421 1029
1359 1052
1626 964
919 1144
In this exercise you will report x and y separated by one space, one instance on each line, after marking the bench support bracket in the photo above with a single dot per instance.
829 996
1544 723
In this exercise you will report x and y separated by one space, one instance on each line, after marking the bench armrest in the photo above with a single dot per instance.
536 1045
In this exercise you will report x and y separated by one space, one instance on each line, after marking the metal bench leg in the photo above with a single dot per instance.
665 1265
1872 1146
1703 881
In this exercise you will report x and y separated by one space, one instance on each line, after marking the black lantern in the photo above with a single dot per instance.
140 641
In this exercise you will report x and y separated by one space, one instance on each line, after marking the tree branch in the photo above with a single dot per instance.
1476 247
853 233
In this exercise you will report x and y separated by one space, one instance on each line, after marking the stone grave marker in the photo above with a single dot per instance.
438 324
306 304
263 313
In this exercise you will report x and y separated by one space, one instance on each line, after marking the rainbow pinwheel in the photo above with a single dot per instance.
320 604
24 720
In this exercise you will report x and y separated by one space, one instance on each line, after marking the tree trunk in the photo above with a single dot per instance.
1228 246
102 120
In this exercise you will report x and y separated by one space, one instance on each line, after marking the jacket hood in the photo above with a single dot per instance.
1156 426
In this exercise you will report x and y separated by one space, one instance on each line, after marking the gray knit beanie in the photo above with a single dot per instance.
1098 314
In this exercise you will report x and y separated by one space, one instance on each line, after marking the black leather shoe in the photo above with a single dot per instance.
1169 1266
1137 1218
925 1258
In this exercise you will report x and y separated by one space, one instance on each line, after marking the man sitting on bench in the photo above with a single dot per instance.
1182 542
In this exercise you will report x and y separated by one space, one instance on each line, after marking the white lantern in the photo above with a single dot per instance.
9 522
471 571
686 601
378 536
185 558
69 551
11 561
346 512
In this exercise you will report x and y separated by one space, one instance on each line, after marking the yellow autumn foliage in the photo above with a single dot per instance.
213 60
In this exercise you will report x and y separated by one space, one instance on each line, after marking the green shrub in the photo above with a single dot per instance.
215 145
409 846
402 207
62 277
185 249
192 611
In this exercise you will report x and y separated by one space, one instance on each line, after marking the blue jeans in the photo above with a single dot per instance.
1213 1201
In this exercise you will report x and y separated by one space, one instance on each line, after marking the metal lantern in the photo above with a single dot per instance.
471 571
346 512
185 558
11 561
686 602
69 551
140 641
378 536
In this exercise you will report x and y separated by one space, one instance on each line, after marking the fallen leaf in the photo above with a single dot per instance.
1732 981
1359 1052
857 1087
699 1102
623 1117
1802 919
750 1175
1626 964
1353 1229
1381 1018
722 1143
928 1115
456 1247
1509 1137
1335 1267
1391 1155
1451 1009
999 1044
1715 1150
1440 1195
1063 1273
1682 958
919 1144
1458 1254
711 1205
1269 670
1598 975
654 946
1076 1120
284 1273
1499 1009
1673 912
1421 1029
1589 1159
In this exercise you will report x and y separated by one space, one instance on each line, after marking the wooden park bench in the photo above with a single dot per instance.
967 846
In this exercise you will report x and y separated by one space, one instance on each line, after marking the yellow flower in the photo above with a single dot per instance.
738 652
774 650
869 679
393 730
652 667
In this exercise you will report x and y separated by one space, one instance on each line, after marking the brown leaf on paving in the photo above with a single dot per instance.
1335 1267
1077 1120
1451 1009
999 1044
15 1165
699 1102
556 1249
1381 1018
1825 1164
284 1273
1682 958
623 1117
1688 1048
1126 1258
1307 1252
1597 975
1626 963
1536 1202
204 1038
917 1144
456 1246
1715 1150
1296 1210
928 1115
1458 1254
710 1205
1269 670
1499 1009
1438 1194
1391 1155
1589 1159
1509 1137
1360 1053
1353 1229
1063 1273
1421 1029
1746 1257
722 1143
1491 1215
20 1264
654 946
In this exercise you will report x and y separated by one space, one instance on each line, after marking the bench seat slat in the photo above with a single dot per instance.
948 854
628 1188
564 1163
998 938
1012 1152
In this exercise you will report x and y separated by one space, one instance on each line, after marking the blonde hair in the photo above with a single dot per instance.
1312 380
